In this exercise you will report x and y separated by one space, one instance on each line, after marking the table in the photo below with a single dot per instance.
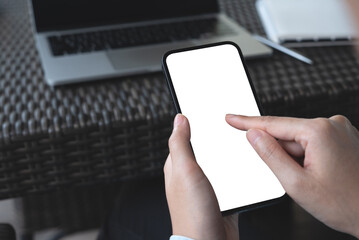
72 135
117 129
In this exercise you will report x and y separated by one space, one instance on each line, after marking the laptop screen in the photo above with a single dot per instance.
68 14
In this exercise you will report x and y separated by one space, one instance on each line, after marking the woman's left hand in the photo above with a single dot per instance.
192 202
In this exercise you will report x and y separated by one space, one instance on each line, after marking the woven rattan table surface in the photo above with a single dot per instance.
116 129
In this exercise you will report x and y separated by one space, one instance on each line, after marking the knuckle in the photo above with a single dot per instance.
172 140
321 126
270 151
340 119
266 120
165 167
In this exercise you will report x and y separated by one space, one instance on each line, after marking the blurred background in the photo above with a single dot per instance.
85 113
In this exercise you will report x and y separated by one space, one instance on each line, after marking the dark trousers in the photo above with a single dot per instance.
140 213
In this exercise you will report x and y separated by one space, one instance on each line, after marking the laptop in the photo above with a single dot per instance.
82 40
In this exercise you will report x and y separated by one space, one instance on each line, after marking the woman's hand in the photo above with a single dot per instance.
316 161
192 202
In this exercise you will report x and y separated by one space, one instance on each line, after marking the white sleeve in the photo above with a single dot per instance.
174 237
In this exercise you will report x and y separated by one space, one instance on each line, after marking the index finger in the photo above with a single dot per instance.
284 128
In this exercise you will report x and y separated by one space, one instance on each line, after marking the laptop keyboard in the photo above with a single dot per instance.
135 36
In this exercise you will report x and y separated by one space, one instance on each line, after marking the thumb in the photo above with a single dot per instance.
286 169
179 142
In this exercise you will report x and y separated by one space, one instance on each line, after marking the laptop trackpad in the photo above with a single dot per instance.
141 58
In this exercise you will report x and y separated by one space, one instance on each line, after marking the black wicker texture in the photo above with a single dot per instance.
7 232
72 209
72 135
117 129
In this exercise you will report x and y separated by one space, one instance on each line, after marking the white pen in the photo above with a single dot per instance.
283 49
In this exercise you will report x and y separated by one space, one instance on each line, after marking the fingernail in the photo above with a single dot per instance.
230 115
178 120
253 136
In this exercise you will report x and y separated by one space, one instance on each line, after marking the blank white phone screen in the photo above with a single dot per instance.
209 83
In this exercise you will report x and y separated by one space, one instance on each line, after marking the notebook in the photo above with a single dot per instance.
306 22
82 40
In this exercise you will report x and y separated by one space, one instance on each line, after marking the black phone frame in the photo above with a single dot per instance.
178 110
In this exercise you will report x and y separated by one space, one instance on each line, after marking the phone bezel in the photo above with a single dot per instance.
178 109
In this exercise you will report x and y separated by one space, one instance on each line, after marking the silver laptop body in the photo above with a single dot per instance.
64 67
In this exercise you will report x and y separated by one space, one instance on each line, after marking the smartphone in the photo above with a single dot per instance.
206 83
